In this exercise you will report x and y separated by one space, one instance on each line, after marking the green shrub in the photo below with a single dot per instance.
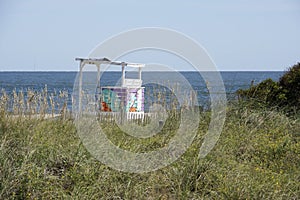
284 94
262 92
290 86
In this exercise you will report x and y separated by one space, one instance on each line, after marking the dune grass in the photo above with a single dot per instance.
256 157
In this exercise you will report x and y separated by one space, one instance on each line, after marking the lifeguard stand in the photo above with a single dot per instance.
127 98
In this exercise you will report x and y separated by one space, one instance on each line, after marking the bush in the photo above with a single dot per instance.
262 92
290 86
284 94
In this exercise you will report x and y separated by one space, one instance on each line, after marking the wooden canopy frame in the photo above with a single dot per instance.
98 62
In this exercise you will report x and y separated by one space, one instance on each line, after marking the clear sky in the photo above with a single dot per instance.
239 35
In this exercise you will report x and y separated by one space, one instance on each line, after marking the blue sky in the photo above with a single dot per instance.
238 35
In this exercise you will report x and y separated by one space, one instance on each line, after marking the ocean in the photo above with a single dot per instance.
57 81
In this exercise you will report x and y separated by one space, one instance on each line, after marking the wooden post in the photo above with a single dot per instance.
98 74
80 86
98 88
140 73
123 75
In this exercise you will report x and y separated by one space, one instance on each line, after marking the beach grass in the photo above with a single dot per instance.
256 157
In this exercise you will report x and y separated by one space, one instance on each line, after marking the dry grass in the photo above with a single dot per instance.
34 104
256 157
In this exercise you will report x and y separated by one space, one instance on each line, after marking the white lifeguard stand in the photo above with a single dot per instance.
130 93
